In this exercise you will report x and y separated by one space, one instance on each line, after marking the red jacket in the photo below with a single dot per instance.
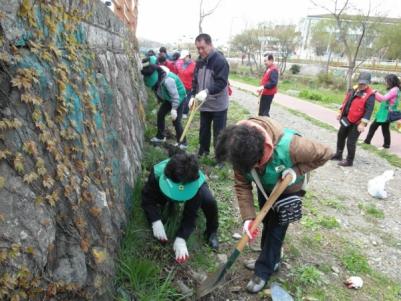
358 105
266 78
171 66
187 74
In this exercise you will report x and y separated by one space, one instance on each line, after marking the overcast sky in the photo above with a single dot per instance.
177 20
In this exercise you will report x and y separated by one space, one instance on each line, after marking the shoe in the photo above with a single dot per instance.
337 157
345 163
181 146
158 140
213 241
250 265
255 285
366 142
184 116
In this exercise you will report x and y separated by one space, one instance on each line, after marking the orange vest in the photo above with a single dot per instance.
265 79
357 109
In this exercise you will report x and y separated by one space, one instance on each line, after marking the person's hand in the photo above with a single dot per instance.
180 249
361 127
247 229
292 173
202 95
260 89
158 231
173 114
338 116
191 103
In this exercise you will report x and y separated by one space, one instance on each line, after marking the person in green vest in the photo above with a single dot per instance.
263 145
179 180
170 92
388 103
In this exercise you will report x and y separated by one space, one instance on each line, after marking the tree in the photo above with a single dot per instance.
388 42
203 14
353 30
248 43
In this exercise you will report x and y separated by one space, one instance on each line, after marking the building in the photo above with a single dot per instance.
126 10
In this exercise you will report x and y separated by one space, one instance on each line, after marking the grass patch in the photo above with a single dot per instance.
355 262
371 210
390 158
328 222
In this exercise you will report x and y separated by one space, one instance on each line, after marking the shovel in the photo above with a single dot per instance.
194 108
215 279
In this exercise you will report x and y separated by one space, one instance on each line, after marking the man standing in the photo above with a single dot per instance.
186 74
210 85
262 144
268 86
354 115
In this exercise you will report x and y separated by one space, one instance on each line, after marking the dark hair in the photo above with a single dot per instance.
163 49
269 57
205 37
150 52
182 168
392 81
175 56
241 145
161 59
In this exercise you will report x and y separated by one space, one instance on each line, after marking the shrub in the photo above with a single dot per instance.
295 69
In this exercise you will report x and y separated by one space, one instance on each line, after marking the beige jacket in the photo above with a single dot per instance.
305 154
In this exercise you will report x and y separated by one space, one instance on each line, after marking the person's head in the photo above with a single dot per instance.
150 53
269 60
151 72
182 168
185 55
203 43
161 60
241 145
364 80
175 56
163 50
392 81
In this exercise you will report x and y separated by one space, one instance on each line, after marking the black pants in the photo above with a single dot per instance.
219 120
208 205
350 134
272 240
164 109
186 102
385 130
264 105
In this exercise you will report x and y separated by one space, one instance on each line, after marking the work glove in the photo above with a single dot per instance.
191 102
173 114
354 282
291 172
247 229
201 96
158 231
180 249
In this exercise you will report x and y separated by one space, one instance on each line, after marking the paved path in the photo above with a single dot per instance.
324 115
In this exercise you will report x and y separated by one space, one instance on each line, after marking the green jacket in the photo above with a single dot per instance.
382 113
172 89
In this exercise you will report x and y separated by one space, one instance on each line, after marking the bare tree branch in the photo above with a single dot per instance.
203 14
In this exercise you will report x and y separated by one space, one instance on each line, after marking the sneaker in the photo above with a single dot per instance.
255 285
158 140
345 163
250 265
181 146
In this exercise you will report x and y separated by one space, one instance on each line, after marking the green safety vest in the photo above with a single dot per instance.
280 161
180 87
178 192
382 113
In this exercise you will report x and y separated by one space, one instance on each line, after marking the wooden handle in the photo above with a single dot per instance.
191 116
277 191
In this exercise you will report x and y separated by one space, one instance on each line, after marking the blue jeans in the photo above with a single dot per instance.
219 120
272 240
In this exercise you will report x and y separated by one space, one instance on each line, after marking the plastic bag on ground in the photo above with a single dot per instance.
376 186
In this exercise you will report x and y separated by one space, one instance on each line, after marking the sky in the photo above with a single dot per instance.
172 21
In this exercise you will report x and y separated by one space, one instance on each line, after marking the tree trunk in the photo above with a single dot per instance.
328 62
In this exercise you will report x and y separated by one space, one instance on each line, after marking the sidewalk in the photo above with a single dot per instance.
324 115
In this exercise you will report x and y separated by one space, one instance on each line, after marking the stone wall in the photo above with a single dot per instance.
71 133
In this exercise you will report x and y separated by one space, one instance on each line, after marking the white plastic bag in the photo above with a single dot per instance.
377 184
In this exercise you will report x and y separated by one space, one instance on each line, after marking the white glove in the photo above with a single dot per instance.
158 231
201 96
191 102
260 89
247 229
173 114
292 173
354 282
180 249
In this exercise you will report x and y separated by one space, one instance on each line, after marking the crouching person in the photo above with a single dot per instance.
262 144
179 179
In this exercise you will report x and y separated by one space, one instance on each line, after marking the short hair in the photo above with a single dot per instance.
392 80
175 56
241 145
182 168
205 37
150 52
163 49
161 59
270 57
